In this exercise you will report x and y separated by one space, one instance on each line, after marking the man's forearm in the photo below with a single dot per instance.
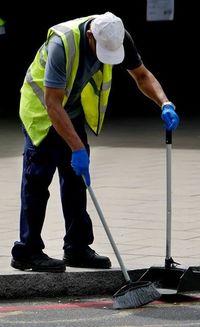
148 85
151 88
64 127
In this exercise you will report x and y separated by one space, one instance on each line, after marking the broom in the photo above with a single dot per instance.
132 294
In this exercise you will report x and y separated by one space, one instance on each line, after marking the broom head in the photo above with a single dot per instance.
135 294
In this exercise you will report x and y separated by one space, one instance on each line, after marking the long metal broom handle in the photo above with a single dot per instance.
168 204
112 242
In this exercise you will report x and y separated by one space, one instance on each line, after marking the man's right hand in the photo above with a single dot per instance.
80 163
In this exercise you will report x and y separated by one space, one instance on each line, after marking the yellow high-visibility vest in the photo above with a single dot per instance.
94 97
2 26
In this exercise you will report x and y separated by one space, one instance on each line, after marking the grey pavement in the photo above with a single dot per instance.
128 172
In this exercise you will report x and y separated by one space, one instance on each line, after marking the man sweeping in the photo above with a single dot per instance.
66 86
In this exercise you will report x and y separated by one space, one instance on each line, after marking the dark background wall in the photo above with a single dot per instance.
168 49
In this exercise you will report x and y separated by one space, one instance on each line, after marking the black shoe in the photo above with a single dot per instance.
40 263
86 258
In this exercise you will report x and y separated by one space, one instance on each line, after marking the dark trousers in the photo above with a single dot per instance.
39 166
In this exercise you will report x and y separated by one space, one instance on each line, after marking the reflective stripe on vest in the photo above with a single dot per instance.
94 96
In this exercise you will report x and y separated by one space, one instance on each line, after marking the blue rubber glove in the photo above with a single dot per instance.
169 116
80 163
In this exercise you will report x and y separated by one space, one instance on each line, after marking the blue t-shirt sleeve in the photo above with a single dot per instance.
55 70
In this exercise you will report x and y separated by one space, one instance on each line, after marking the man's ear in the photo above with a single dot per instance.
89 34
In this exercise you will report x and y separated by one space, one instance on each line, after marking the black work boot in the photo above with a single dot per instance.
86 258
40 262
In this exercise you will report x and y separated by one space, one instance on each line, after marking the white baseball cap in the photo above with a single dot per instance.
108 31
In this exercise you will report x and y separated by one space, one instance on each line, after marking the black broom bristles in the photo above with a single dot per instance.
135 294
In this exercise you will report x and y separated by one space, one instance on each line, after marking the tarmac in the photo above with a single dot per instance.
128 173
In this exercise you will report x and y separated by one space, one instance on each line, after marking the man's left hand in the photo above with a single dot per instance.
169 116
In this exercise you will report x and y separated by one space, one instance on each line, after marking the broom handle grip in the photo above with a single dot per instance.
112 242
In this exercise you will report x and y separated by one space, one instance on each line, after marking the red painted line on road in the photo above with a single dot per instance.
57 306
178 299
86 304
